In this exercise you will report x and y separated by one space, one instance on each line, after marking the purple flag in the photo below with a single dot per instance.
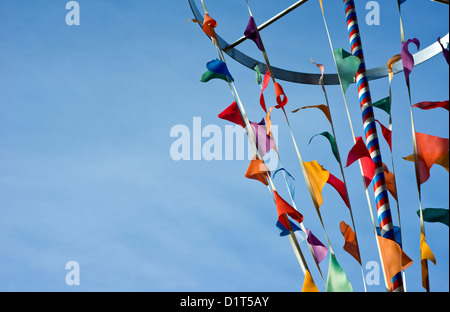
252 33
320 251
264 143
407 58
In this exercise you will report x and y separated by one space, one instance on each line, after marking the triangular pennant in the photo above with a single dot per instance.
432 105
435 215
252 33
219 67
360 152
258 170
318 177
431 150
264 142
308 284
339 186
395 260
387 134
323 108
208 26
284 231
426 255
332 141
407 58
233 114
283 209
320 251
351 243
348 66
337 280
390 182
384 104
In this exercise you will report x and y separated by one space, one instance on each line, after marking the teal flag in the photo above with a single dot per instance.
435 215
332 140
337 279
384 104
348 66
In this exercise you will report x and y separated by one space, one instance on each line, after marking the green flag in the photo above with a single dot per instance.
384 104
348 66
332 140
434 215
337 279
209 75
258 74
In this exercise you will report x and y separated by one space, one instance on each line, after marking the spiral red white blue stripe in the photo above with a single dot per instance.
370 129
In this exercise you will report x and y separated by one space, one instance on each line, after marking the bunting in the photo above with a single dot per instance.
360 152
435 215
426 255
308 284
283 209
395 260
431 150
323 108
320 251
258 170
432 105
332 141
337 280
351 243
233 114
348 66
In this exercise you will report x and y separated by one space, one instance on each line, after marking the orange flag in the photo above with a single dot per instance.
426 255
258 170
322 107
394 259
208 26
443 161
351 244
390 182
308 285
318 177
431 150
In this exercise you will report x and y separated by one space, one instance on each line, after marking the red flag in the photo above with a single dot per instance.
266 81
360 152
387 134
233 114
432 105
282 99
340 187
284 208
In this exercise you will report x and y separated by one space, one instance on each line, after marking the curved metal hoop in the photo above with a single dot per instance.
313 79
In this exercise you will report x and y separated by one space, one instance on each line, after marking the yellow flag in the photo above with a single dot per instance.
426 255
308 285
318 177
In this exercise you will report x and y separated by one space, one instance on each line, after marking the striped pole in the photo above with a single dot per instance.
370 129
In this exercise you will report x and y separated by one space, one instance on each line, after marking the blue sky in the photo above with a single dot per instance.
85 166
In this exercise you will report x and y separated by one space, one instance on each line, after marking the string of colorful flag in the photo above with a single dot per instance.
428 151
